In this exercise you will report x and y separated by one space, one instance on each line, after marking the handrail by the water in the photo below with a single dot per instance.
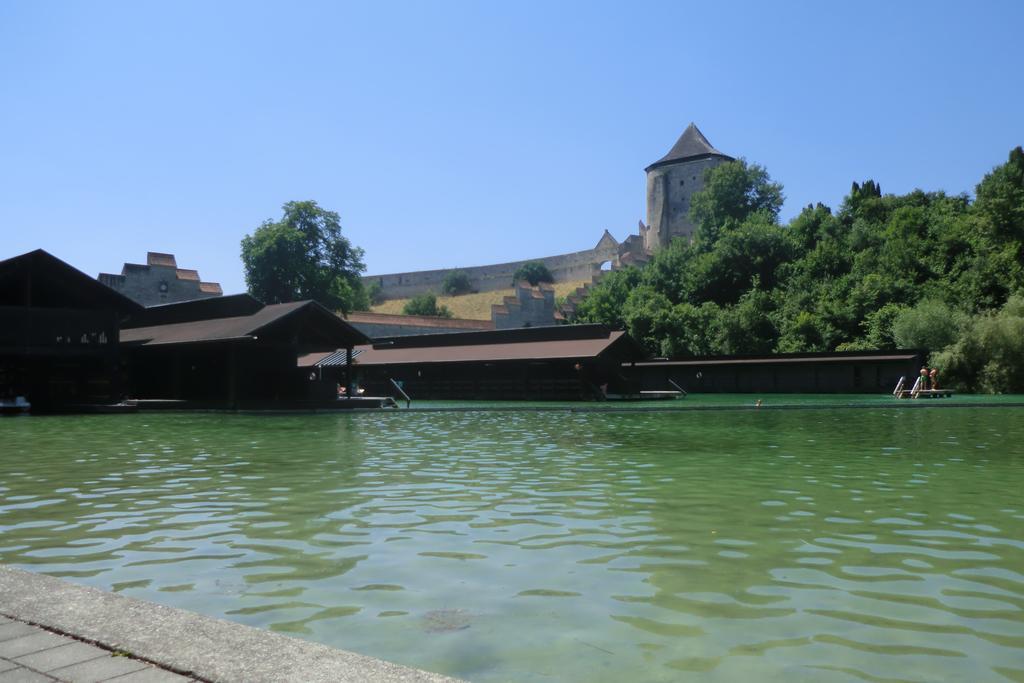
683 391
408 401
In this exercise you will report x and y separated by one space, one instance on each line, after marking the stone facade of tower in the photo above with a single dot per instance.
671 183
159 281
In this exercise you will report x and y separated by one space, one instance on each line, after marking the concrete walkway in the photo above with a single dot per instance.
157 641
29 653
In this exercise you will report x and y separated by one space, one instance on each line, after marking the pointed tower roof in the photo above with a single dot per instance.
691 145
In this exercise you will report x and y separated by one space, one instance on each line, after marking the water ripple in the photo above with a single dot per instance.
790 545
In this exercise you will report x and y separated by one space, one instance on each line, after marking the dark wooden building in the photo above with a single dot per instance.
233 352
59 331
855 372
566 362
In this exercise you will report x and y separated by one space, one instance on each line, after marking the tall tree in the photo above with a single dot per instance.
733 192
1001 197
304 256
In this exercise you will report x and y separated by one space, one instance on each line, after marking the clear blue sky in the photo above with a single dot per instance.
457 133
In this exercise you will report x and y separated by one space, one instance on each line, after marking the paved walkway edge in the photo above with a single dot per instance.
186 642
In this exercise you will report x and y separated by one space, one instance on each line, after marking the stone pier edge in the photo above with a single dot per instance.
185 642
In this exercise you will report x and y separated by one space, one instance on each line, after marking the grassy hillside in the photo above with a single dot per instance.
473 306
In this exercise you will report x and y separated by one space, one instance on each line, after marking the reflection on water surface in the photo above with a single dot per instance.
879 544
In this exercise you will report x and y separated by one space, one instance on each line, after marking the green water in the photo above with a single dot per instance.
878 544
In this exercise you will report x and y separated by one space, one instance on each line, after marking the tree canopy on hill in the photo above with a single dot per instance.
425 304
456 282
883 271
533 272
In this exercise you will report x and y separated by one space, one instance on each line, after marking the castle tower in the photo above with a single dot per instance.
671 181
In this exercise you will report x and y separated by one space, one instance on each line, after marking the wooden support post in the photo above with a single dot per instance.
349 373
232 378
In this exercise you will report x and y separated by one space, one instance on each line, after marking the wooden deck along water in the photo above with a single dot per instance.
925 393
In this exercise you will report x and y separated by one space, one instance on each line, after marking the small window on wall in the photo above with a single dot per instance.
681 183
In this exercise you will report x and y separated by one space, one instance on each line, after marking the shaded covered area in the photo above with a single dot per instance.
59 332
568 362
853 372
233 352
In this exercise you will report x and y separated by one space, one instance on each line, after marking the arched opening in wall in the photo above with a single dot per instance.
606 266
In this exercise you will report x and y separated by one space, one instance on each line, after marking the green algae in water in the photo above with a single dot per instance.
878 543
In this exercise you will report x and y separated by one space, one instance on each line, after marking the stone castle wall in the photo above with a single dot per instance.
578 265
376 325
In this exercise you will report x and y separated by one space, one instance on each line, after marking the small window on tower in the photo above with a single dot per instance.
681 183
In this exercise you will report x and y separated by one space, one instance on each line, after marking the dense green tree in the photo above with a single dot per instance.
1001 198
930 325
733 192
747 327
374 294
533 272
749 255
989 355
605 303
425 304
456 282
304 256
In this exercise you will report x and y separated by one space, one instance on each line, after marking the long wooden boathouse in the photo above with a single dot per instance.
565 362
233 352
852 372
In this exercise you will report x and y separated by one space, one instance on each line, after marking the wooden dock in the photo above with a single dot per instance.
917 391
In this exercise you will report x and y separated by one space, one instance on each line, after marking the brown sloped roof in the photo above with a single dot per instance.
217 329
193 310
210 288
235 328
782 360
187 274
569 349
56 284
691 145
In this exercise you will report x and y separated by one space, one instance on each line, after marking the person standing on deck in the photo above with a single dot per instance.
934 377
